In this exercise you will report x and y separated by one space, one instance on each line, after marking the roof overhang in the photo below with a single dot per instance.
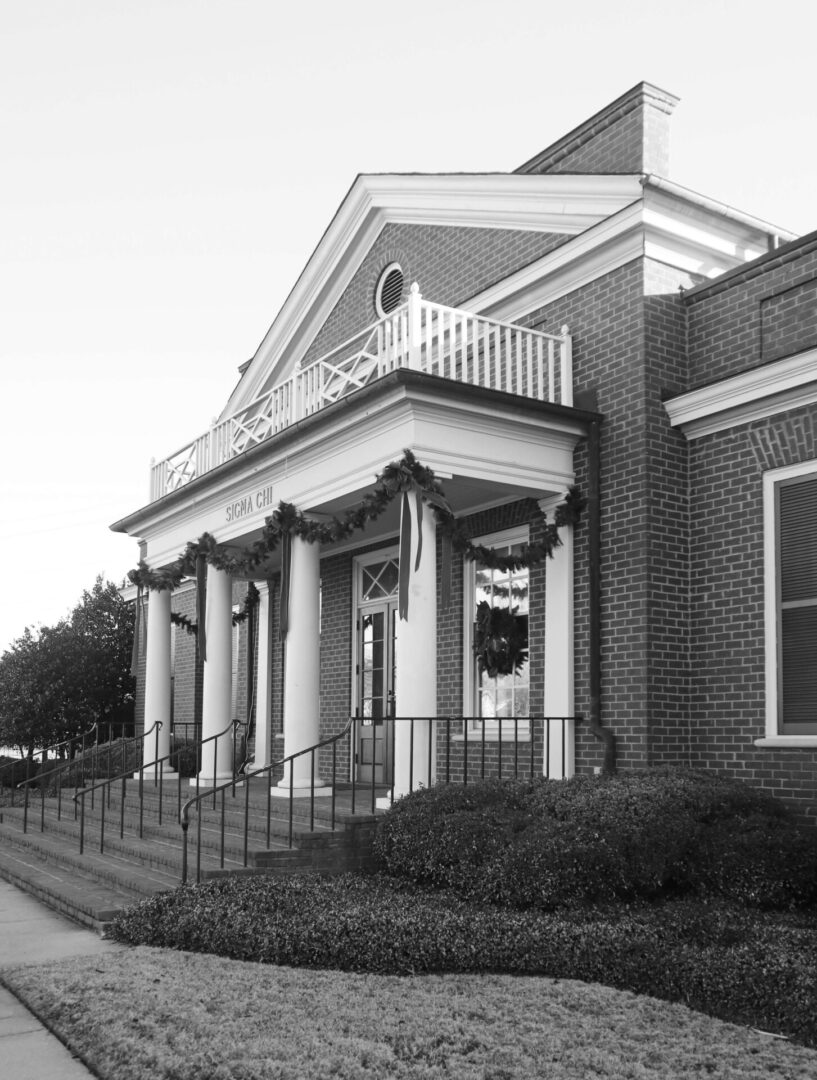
487 447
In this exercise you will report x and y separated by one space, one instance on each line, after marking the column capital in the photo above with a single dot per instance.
548 503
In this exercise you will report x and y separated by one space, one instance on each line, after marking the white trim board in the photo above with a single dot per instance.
752 395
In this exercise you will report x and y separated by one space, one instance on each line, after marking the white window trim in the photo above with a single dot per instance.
771 479
520 534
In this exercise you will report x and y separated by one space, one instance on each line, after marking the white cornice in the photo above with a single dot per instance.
549 203
752 395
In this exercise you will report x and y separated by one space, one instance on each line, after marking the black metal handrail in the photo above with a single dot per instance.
154 769
54 777
518 731
53 750
184 817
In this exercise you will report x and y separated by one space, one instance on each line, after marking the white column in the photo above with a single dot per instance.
302 670
157 683
217 756
416 662
263 686
559 699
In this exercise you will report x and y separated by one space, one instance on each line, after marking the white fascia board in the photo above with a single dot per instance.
691 238
752 395
559 203
597 251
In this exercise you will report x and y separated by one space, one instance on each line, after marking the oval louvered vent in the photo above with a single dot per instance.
389 292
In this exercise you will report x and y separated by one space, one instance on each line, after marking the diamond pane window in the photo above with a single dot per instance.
379 580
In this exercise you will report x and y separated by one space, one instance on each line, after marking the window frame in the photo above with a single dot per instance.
359 605
773 479
519 534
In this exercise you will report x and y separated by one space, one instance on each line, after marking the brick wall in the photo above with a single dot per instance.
630 135
788 321
754 315
665 373
607 323
187 669
449 264
728 690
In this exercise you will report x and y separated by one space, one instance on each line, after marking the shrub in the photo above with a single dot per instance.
185 758
756 861
13 771
548 844
743 966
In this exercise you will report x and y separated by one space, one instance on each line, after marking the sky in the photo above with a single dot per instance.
168 168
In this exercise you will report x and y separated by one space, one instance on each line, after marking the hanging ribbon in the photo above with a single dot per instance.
418 496
251 616
404 558
286 566
138 628
201 604
446 570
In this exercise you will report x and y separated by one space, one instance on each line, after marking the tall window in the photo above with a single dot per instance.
498 634
791 612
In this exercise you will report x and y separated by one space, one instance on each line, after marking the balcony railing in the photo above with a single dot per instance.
419 335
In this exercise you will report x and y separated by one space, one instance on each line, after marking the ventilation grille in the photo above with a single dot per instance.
389 289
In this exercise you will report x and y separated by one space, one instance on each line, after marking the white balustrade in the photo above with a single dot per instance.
437 340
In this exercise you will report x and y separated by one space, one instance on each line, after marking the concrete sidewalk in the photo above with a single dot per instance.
31 933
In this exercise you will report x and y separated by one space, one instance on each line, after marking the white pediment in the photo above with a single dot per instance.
558 203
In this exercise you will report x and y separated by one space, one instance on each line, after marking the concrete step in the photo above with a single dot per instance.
75 892
91 887
159 847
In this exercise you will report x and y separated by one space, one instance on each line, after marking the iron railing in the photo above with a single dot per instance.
63 752
145 773
452 750
86 759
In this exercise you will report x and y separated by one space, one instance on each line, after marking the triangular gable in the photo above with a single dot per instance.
549 205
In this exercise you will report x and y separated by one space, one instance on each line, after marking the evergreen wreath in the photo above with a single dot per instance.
500 640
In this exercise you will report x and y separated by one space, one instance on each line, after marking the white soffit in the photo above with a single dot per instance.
557 203
752 395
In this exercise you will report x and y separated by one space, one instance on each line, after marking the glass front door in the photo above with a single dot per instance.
376 684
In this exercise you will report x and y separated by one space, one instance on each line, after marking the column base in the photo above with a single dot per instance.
207 780
301 790
166 774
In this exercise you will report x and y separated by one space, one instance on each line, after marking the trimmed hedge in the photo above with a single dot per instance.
547 844
738 965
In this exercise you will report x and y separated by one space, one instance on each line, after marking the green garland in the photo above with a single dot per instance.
250 602
399 477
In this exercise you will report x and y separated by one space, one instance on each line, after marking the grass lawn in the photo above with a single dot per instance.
146 1012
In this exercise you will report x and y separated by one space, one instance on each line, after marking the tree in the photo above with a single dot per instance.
27 704
59 682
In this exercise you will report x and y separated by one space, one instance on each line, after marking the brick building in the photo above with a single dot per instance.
582 322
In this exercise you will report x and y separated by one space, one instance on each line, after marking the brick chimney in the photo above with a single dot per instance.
631 135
